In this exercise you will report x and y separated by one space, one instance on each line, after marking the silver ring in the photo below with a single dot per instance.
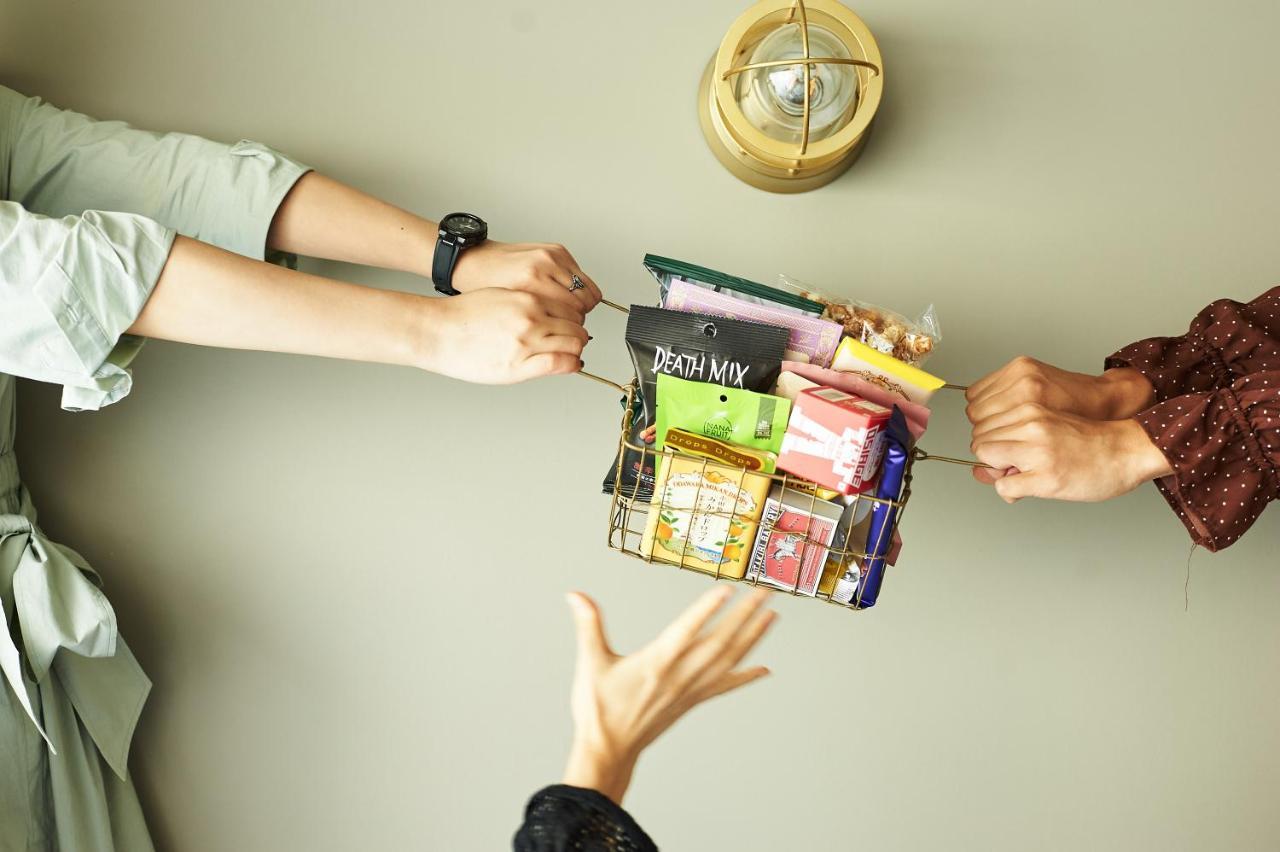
576 284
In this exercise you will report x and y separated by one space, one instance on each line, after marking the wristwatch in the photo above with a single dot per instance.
458 232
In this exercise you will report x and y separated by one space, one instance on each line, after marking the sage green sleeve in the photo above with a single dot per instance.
64 163
69 289
88 214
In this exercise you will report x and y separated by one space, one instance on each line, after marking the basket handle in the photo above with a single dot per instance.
920 455
601 379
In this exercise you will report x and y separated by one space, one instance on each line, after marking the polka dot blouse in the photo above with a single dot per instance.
1217 415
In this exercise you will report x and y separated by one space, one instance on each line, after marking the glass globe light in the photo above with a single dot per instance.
787 102
772 98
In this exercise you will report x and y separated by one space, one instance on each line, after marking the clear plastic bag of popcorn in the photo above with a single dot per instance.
886 331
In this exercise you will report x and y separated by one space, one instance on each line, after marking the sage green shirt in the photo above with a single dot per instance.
88 213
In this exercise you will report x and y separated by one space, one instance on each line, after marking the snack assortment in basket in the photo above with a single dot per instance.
691 346
790 475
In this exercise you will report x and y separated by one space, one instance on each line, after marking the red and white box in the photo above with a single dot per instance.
835 439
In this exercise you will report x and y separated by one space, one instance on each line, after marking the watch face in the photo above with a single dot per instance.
465 225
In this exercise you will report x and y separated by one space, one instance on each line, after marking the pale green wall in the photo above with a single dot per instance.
346 580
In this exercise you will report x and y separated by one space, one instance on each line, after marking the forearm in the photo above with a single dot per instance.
211 297
321 217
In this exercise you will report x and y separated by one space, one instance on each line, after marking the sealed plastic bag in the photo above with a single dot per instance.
880 328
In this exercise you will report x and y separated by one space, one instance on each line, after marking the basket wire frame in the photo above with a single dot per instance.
629 515
628 506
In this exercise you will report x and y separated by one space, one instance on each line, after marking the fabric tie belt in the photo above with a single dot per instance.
68 633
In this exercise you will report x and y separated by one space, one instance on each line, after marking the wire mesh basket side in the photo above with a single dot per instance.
726 501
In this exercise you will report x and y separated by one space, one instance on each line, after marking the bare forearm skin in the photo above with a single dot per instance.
321 217
212 297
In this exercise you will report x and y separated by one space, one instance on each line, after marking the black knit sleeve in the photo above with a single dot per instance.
561 818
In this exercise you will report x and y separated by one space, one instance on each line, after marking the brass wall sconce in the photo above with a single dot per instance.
787 102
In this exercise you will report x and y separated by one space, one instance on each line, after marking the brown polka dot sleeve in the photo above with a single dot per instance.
1224 448
1226 341
1217 415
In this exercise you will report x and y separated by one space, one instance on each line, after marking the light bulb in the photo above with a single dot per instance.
772 99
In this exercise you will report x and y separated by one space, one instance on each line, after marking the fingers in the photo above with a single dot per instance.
737 619
983 386
558 344
1013 488
1019 431
748 637
592 294
565 328
729 641
682 632
997 381
563 268
999 401
589 626
736 680
1004 454
547 364
557 301
1018 414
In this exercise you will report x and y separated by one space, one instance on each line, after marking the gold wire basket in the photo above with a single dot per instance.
630 515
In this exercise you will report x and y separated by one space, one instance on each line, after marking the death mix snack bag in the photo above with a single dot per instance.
696 347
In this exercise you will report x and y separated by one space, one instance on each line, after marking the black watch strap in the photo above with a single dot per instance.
446 257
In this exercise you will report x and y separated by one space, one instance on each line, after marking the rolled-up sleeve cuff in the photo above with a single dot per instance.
261 178
102 276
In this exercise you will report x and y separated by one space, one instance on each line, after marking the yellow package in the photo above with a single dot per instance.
885 371
704 515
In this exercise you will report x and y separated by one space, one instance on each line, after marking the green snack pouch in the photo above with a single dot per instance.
741 417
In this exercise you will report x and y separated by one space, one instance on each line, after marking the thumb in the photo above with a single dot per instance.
592 644
987 475
1014 487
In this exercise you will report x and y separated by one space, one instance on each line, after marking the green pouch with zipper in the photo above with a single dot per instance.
665 271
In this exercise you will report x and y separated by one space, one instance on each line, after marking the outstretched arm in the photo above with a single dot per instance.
321 217
621 704
212 297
